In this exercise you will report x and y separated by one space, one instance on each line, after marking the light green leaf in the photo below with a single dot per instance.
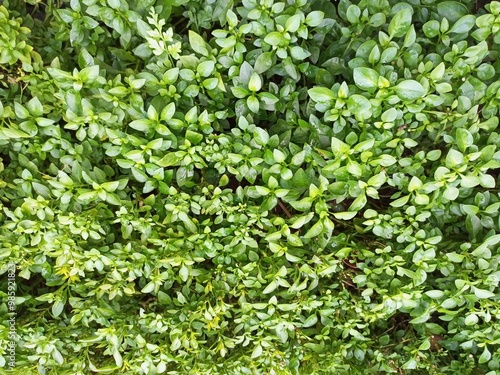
366 78
314 18
321 94
483 294
275 38
454 158
400 23
57 308
197 43
263 62
463 25
409 90
255 83
253 104
485 356
315 230
358 203
292 24
206 68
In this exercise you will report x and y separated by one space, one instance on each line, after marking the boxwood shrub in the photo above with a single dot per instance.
249 187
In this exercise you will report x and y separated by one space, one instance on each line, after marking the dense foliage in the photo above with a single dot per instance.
255 187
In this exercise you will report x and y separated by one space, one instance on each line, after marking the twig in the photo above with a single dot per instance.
287 213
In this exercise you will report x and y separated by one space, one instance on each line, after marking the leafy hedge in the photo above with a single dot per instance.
255 187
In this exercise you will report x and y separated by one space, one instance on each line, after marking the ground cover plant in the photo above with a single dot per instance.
254 187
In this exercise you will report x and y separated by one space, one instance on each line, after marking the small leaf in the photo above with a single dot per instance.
321 94
263 62
257 352
197 43
310 321
169 160
358 203
485 356
315 230
184 273
253 104
454 158
271 287
463 25
400 23
482 293
314 18
464 139
435 294
292 24
255 83
409 90
274 38
366 78
57 308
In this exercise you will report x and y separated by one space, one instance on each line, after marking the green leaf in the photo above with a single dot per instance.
274 38
110 186
358 203
264 62
253 104
206 68
314 18
487 181
464 139
485 356
400 202
409 90
184 273
257 352
89 74
57 308
310 321
353 14
411 364
279 156
415 184
261 136
88 196
169 160
359 106
35 107
321 94
338 147
292 24
299 53
471 319
435 294
302 220
142 125
366 78
400 23
315 230
364 146
271 287
451 10
463 25
454 158
20 111
483 294
345 215
255 83
421 319
194 137
197 43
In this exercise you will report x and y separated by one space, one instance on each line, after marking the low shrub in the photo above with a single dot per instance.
254 187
